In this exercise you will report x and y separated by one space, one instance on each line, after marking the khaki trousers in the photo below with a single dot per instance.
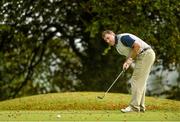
140 75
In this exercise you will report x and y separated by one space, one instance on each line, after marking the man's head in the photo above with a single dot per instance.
109 37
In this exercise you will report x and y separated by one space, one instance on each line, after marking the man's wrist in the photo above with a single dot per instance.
129 60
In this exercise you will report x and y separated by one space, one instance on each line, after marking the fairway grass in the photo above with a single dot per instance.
85 115
84 106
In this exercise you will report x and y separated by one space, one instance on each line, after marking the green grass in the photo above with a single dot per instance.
85 115
85 106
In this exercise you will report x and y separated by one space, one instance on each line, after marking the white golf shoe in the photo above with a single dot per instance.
128 109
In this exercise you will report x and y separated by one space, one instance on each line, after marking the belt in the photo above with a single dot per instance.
147 48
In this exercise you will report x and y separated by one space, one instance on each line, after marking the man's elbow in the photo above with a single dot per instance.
136 48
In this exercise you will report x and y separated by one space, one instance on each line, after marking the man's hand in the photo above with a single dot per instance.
127 63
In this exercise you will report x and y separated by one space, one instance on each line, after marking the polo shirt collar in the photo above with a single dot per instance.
116 40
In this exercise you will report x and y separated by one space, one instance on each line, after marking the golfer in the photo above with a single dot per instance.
139 52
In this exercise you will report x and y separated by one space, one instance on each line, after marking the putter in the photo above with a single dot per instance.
101 97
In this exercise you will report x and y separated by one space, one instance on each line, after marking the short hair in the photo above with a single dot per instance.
106 32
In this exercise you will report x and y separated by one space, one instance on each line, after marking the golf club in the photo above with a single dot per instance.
101 97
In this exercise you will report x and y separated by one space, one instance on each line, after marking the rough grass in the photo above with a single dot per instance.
85 106
83 101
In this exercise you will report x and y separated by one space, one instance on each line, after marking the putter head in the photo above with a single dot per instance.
99 97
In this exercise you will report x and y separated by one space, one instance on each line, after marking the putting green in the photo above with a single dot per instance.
87 115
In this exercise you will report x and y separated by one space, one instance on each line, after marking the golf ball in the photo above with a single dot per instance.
58 116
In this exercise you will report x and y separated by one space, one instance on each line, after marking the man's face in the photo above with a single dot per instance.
110 39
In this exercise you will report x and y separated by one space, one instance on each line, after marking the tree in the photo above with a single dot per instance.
66 35
156 22
28 43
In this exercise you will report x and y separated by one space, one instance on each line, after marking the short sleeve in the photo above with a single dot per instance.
127 40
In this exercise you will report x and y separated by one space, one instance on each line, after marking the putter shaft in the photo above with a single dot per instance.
111 85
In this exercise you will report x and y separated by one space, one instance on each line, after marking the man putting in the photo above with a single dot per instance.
136 50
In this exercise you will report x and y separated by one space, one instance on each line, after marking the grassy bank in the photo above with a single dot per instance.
85 106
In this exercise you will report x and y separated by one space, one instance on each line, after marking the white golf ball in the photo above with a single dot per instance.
58 116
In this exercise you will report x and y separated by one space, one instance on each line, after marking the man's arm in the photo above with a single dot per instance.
134 52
